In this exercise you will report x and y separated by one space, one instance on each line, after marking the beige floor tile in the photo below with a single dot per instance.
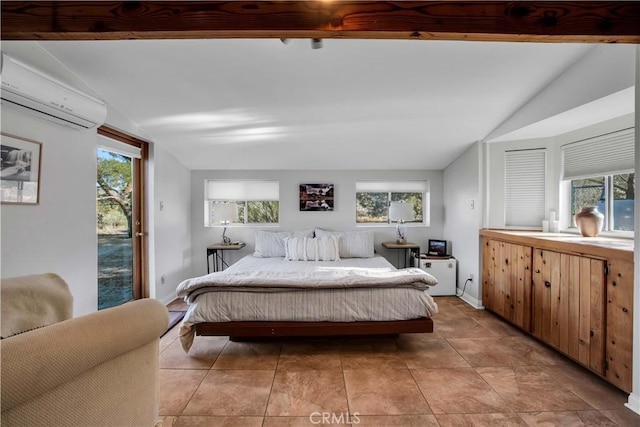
503 351
528 388
232 392
430 353
497 326
496 420
168 338
315 419
588 386
305 362
567 418
394 421
177 386
458 390
372 361
200 421
301 393
461 328
624 417
245 355
384 392
202 355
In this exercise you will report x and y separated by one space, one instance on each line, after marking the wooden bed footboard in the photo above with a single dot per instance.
313 329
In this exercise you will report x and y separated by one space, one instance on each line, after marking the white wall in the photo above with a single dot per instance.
59 234
48 237
342 218
495 167
462 186
171 237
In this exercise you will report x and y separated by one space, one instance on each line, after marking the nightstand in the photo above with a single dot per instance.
217 250
412 249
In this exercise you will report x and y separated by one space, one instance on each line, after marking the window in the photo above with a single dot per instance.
525 187
601 173
612 194
373 199
257 201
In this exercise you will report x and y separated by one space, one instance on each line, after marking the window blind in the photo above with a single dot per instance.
241 190
393 186
525 185
119 147
609 154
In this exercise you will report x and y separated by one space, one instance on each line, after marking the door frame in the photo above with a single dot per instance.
139 213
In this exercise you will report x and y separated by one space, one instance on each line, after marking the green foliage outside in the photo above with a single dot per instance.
258 212
263 212
373 208
114 193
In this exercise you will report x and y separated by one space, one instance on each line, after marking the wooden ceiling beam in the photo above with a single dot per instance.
528 21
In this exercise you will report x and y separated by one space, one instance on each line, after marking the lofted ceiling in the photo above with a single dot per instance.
354 104
416 100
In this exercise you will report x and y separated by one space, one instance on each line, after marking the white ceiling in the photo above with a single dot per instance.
354 104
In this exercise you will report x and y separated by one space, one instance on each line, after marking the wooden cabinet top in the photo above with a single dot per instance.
602 247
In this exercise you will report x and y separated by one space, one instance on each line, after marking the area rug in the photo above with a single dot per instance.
174 318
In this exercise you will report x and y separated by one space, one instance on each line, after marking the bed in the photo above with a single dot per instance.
310 291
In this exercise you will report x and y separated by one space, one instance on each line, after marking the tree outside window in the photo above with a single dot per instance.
373 207
612 194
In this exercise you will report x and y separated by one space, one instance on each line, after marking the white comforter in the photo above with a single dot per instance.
320 275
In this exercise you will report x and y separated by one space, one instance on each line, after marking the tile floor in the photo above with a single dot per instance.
474 369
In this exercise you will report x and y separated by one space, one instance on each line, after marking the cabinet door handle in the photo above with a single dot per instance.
537 270
547 284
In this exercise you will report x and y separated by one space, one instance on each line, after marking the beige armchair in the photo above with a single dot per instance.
100 369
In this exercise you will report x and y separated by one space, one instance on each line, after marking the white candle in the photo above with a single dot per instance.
545 226
552 216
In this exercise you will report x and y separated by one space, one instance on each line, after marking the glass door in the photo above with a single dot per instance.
120 228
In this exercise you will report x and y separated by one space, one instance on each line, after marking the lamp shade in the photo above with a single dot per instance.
225 212
400 211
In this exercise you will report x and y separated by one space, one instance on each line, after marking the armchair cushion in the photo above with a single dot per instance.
34 301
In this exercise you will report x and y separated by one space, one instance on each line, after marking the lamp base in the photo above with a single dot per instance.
401 233
225 239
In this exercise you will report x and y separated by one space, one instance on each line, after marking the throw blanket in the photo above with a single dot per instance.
321 278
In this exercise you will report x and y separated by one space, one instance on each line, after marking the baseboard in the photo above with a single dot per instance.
634 403
475 303
169 298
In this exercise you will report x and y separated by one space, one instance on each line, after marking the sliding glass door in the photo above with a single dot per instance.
120 227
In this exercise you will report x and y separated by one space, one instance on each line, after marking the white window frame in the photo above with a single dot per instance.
584 159
396 186
241 192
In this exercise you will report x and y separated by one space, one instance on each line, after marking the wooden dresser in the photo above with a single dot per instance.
573 293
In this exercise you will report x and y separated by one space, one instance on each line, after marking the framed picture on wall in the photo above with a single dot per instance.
316 197
19 170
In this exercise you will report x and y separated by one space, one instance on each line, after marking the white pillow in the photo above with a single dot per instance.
270 244
311 249
353 244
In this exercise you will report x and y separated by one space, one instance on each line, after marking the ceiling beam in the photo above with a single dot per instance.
528 21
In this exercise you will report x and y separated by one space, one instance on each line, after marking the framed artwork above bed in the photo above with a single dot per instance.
316 197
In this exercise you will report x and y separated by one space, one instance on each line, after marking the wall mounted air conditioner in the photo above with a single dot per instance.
30 91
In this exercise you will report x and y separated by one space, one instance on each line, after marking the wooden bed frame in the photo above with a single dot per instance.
246 330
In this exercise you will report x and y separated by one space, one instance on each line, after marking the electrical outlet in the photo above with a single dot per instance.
471 276
163 279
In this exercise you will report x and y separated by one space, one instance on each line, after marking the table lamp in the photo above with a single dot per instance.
401 212
225 213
